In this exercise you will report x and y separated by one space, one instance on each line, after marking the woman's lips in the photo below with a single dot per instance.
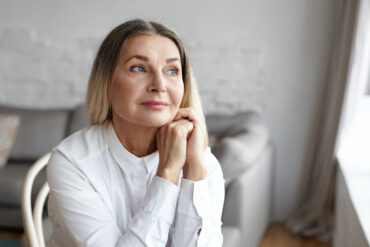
156 105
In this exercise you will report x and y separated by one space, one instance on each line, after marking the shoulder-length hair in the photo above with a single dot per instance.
101 75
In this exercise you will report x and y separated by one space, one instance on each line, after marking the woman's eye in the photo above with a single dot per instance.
172 71
137 68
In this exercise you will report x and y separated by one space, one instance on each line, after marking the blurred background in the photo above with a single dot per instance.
272 57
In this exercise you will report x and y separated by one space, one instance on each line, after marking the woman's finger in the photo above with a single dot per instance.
188 113
184 124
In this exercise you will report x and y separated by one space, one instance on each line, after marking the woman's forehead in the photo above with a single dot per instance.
151 46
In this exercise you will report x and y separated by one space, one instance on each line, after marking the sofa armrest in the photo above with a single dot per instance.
248 200
232 236
240 140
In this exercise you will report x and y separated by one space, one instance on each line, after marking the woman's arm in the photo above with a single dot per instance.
199 209
86 219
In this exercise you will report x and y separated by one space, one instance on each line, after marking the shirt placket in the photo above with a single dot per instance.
139 182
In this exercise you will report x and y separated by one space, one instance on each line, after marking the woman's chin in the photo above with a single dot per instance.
156 121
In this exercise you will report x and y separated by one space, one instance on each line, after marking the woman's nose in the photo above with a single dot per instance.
158 83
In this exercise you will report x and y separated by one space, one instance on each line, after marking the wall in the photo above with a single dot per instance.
347 227
268 55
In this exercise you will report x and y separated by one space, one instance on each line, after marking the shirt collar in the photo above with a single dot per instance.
126 160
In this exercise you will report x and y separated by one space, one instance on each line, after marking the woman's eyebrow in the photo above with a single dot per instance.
170 60
140 57
146 59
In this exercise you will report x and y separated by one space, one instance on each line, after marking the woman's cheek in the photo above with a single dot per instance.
180 94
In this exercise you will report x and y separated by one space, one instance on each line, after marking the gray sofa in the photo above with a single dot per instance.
240 142
39 131
246 154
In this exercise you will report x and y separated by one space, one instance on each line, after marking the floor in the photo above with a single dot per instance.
278 236
9 238
10 234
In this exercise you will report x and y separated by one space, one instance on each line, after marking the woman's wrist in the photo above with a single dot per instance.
169 174
195 171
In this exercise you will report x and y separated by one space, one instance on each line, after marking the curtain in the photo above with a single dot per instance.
314 217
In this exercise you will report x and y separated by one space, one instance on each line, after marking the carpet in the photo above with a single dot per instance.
8 242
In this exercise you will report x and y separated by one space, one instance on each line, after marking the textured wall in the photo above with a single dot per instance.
269 55
231 75
37 71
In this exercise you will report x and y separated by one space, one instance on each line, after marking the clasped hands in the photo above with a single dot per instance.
181 145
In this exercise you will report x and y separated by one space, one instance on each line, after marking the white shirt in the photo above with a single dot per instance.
103 195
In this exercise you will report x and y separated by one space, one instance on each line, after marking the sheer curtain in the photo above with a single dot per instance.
315 215
358 92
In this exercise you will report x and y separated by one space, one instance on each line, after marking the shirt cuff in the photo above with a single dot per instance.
161 199
193 198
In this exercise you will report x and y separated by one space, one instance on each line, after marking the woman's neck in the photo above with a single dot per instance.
138 140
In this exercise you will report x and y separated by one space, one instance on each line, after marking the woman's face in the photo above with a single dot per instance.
147 86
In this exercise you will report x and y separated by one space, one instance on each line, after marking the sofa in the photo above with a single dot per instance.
240 142
39 131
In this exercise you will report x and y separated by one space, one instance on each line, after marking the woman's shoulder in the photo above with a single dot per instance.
66 168
83 143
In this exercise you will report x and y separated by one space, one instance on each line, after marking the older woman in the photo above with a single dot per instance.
142 174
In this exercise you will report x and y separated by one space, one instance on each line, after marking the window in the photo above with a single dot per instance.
368 83
354 137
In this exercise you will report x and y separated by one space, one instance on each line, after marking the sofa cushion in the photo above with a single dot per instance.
241 139
8 129
11 218
11 181
78 119
39 131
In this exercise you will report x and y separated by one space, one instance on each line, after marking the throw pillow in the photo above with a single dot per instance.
8 129
240 144
233 157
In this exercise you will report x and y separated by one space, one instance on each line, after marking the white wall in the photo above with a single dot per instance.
348 230
268 55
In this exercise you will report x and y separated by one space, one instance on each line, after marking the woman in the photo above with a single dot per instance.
142 174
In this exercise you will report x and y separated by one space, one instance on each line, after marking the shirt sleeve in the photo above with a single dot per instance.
199 208
87 219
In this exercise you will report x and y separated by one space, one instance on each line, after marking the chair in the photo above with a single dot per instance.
33 222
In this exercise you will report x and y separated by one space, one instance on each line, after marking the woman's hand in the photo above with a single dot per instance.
181 146
171 142
194 168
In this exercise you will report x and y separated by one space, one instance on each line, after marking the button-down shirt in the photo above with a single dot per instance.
103 195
